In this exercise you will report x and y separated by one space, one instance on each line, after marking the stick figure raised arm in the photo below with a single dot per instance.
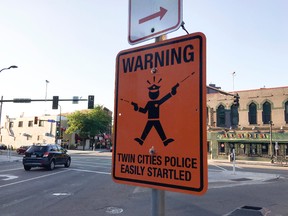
174 89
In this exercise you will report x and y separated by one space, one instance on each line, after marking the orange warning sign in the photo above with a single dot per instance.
160 115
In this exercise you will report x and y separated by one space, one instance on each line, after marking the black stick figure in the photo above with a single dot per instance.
153 109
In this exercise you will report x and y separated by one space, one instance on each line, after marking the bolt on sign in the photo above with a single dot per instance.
160 116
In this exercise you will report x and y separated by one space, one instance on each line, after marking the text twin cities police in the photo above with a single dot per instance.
165 167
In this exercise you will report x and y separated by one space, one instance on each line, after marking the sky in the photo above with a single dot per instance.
74 43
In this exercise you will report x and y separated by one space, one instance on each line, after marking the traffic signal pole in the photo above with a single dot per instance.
222 92
235 95
28 100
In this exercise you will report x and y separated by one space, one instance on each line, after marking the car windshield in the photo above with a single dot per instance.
38 148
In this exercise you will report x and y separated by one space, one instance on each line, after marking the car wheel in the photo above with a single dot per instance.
27 168
51 165
68 162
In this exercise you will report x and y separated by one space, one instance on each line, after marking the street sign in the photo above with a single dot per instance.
160 115
152 18
21 100
75 100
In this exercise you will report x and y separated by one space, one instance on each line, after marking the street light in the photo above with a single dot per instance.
13 66
1 104
46 89
233 75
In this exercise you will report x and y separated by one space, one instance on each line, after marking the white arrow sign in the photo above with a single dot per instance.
151 18
8 177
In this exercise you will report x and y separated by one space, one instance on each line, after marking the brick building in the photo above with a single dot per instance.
257 129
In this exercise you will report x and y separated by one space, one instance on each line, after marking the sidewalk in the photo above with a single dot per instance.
98 152
266 164
222 177
5 157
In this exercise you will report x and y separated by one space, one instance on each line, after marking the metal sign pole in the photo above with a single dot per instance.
233 153
158 196
158 202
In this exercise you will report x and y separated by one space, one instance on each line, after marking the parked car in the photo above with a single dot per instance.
22 149
45 155
3 147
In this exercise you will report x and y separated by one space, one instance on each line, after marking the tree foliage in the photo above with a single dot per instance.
88 123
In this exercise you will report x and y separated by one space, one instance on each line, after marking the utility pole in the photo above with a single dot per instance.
13 66
270 145
46 89
233 76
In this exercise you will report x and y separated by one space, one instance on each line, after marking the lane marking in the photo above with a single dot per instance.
89 165
7 177
219 167
51 174
61 194
31 179
91 171
11 169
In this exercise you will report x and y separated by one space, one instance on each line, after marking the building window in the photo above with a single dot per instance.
252 114
286 112
20 124
234 115
41 123
207 115
266 113
221 148
11 124
30 123
221 116
265 149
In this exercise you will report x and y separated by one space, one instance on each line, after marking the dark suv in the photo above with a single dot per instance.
46 155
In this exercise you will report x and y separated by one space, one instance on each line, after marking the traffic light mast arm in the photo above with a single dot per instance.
223 92
28 100
236 96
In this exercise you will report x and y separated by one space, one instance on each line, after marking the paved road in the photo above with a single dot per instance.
86 188
216 172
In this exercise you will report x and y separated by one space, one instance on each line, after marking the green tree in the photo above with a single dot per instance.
89 123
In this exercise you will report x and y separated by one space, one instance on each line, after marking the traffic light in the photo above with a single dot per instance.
90 101
236 100
58 130
55 102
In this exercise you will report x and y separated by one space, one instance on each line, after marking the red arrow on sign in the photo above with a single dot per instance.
160 14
